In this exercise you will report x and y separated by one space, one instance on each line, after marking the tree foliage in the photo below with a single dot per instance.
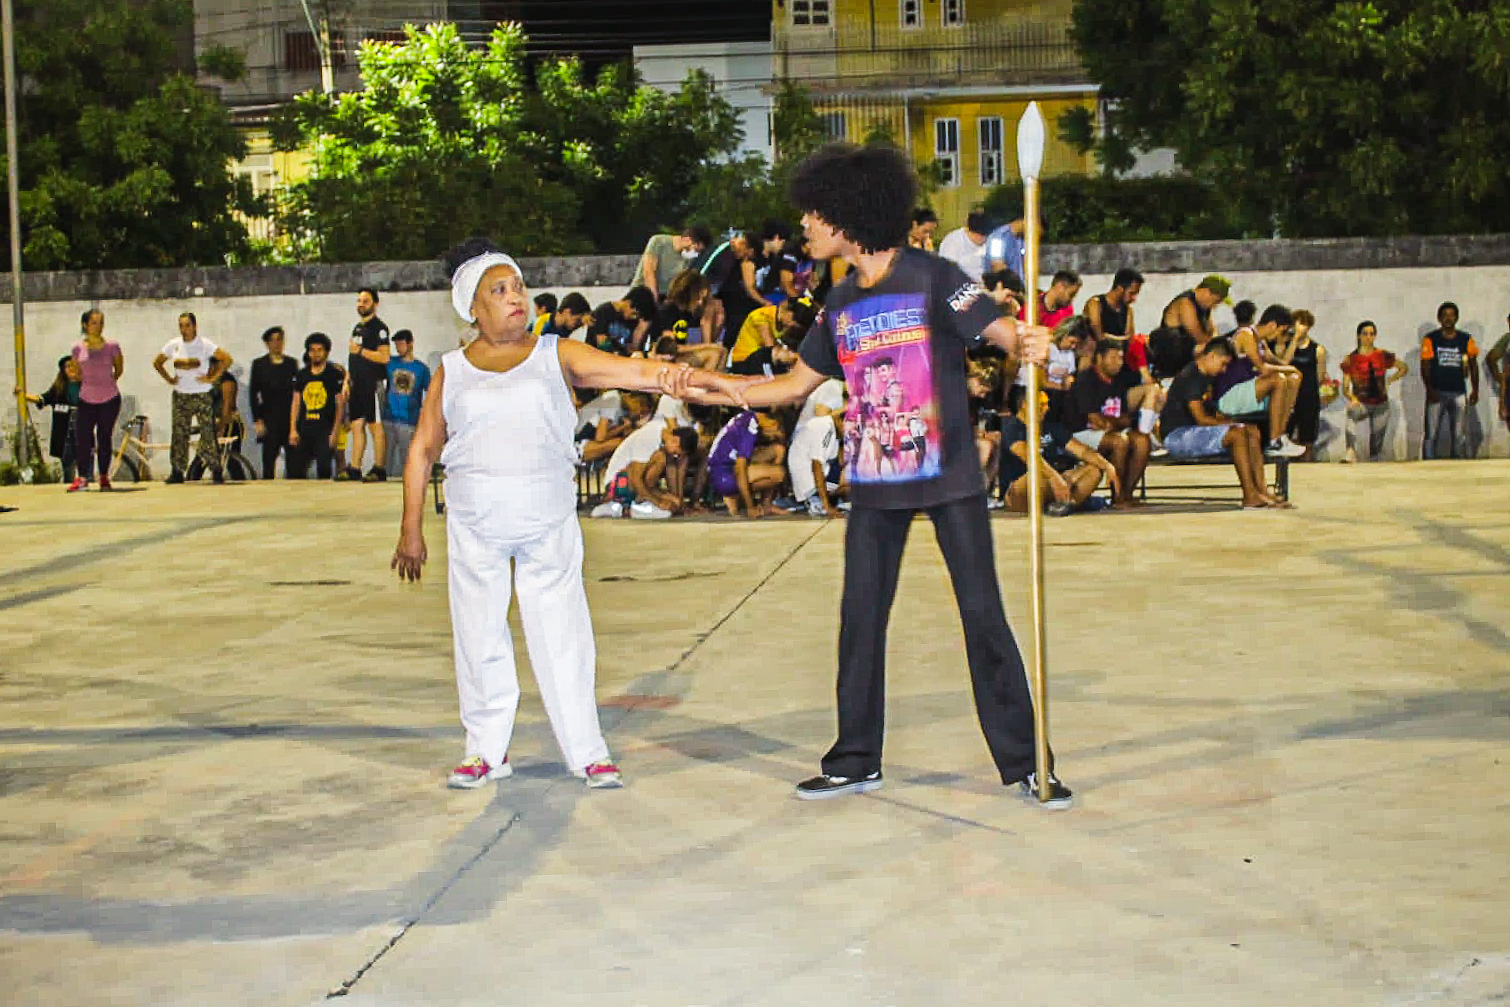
124 161
1324 118
445 141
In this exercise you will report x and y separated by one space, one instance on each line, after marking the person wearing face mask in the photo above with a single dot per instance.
499 415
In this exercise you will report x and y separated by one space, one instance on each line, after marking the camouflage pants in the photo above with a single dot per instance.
189 409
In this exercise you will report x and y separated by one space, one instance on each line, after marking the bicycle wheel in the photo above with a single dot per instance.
239 468
129 471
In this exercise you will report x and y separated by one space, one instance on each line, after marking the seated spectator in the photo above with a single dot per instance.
768 264
1254 382
1243 312
966 246
814 461
794 267
570 314
1111 313
681 315
704 356
746 463
1102 418
1006 289
1058 302
545 310
1071 471
984 385
621 326
656 451
1059 372
827 398
665 255
763 345
1193 427
924 223
604 422
731 277
1185 327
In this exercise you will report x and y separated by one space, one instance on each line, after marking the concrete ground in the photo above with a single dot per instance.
225 729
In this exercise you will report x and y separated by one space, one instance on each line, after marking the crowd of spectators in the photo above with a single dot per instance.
1113 398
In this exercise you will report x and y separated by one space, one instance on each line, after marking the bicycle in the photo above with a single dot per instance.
131 462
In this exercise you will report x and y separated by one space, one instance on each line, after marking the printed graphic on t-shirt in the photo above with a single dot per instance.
315 399
892 426
401 381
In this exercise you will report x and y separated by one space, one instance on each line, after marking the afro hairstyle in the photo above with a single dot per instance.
866 192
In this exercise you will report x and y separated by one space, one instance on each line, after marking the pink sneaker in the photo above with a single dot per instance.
475 771
601 775
77 484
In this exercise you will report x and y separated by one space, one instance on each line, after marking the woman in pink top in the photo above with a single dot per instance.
100 364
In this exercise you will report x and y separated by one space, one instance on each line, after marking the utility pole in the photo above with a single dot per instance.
13 180
319 27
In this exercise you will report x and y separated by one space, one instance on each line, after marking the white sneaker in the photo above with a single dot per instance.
645 510
608 508
1283 447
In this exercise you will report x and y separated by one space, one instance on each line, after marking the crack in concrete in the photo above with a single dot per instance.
406 925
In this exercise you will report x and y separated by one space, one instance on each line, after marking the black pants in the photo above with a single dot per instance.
94 434
314 445
873 545
274 440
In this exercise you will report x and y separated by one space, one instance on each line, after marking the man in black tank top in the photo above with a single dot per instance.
1111 314
1186 326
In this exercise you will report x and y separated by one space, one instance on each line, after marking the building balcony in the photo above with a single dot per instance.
861 57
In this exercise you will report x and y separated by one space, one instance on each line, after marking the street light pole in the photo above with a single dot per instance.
13 180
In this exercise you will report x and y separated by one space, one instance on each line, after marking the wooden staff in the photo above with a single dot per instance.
1030 137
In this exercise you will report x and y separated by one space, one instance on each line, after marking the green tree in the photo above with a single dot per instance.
1320 118
444 142
124 161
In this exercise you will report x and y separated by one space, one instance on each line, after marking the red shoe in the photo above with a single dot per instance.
105 483
475 771
77 484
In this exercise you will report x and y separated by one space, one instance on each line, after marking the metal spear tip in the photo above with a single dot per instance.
1030 143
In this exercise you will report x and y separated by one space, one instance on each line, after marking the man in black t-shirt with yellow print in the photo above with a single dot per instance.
896 331
315 414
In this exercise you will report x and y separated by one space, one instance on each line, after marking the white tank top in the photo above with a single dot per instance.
510 453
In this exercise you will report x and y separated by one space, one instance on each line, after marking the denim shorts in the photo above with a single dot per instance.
1197 441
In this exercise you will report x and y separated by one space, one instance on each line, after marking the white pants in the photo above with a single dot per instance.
557 631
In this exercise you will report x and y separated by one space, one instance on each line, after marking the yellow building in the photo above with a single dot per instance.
946 79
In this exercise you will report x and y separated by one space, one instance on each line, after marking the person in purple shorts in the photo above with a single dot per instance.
1194 428
739 470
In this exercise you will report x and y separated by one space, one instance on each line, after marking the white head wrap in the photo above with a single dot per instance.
469 274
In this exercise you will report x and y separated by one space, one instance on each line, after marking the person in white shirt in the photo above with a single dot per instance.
966 246
826 398
197 365
813 451
500 416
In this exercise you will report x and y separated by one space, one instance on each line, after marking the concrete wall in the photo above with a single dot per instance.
741 73
235 306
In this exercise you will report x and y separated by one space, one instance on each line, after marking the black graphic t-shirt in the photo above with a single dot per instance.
1190 385
900 347
1053 441
374 335
1448 358
675 321
1094 394
318 393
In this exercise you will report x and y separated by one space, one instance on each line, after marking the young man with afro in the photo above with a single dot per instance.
896 331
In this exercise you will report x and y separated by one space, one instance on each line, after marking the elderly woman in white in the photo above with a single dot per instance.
500 417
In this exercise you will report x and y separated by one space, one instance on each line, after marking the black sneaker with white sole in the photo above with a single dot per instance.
824 785
1060 796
